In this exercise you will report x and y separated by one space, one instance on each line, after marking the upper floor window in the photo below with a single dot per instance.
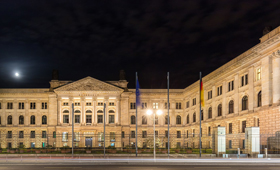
144 120
260 99
258 74
32 120
243 126
230 107
20 105
65 118
44 105
77 104
88 119
202 115
230 85
111 111
10 120
0 106
166 120
111 104
44 119
188 119
132 105
155 105
99 118
144 105
77 118
178 120
133 120
230 128
88 103
187 104
88 111
210 94
111 118
245 103
9 105
65 104
220 110
219 90
210 113
194 117
21 120
194 101
165 105
32 134
32 105
77 111
178 106
100 104
65 111
244 80
99 111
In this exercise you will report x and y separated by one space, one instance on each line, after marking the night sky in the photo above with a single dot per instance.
99 38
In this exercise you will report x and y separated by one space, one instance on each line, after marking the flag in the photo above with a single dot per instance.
138 102
201 94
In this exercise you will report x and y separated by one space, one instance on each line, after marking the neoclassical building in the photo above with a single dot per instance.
245 92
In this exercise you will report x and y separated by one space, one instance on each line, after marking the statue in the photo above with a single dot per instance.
122 75
55 74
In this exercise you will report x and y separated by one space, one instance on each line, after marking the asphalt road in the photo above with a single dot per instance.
128 167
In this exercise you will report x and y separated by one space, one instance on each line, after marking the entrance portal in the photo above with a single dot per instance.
88 141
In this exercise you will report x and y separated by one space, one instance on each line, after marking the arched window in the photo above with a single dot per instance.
111 111
178 119
32 120
220 110
260 99
88 111
245 103
21 120
133 120
188 119
194 117
166 119
210 113
99 111
77 111
144 120
10 120
230 107
65 111
44 120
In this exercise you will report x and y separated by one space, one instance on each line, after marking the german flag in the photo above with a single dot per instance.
201 93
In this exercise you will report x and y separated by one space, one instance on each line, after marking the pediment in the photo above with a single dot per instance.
88 84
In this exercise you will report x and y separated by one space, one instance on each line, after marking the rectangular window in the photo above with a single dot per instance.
64 136
122 134
65 104
210 94
44 105
21 134
219 90
44 134
209 131
187 104
77 118
99 118
132 105
32 105
77 104
194 101
166 134
88 119
54 134
244 80
144 134
112 137
9 105
156 133
243 141
111 118
165 105
155 105
231 85
100 104
0 106
100 137
178 134
144 105
178 106
193 132
32 134
243 126
10 134
230 144
230 128
20 105
132 134
65 118
258 74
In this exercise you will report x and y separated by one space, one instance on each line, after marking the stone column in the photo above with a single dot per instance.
214 107
15 116
266 63
94 111
107 111
83 116
236 91
276 78
70 110
59 114
26 116
251 97
224 104
117 111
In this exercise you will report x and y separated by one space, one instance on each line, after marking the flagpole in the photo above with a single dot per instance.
168 108
136 148
200 115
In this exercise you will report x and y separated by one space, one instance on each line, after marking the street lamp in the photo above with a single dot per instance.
159 112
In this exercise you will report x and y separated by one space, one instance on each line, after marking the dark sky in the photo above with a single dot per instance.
99 38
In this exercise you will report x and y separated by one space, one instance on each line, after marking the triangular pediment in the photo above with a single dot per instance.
88 84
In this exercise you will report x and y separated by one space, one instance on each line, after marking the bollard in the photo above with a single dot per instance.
238 149
265 151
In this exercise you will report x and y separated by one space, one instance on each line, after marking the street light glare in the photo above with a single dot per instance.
159 112
16 74
149 112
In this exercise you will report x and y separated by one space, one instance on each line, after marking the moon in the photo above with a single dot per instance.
16 74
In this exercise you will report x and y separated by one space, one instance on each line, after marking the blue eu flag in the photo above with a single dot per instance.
138 103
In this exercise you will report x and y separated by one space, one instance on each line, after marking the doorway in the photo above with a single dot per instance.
88 142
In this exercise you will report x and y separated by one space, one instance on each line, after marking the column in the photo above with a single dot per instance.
266 63
94 111
117 111
236 92
251 97
83 116
59 115
26 116
107 111
214 107
70 110
276 78
224 104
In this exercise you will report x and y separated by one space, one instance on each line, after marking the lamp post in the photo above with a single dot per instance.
159 112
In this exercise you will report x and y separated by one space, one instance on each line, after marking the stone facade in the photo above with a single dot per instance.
244 92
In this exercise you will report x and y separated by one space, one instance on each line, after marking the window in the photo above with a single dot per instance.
10 120
99 111
20 105
155 105
187 104
201 114
99 118
77 111
21 120
132 105
32 134
111 104
188 119
178 134
10 134
187 133
219 90
230 128
77 104
88 111
144 105
178 119
156 133
166 134
111 111
257 122
88 119
133 120
9 105
89 104
112 137
64 136
245 103
209 131
54 134
100 104
220 110
100 137
123 134
243 126
77 118
44 105
230 85
193 132
144 134
44 120
230 144
230 107
65 111
21 134
111 118
258 74
132 134
194 101
0 106
260 99
244 80
32 120
178 106
210 113
156 120
165 105
194 117
166 120
32 105
144 120
65 104
0 124
65 118
44 134
210 94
